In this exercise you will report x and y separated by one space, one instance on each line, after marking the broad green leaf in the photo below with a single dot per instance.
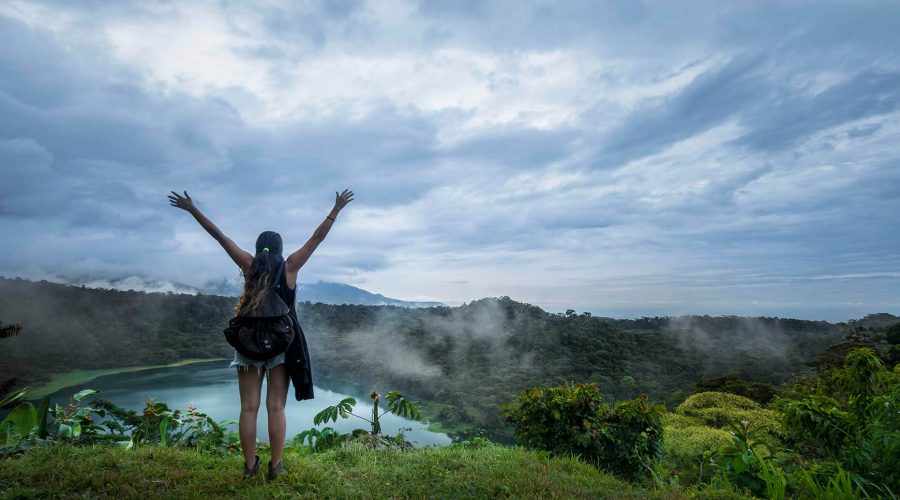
23 418
163 430
65 430
83 394
214 425
83 412
13 397
8 435
42 417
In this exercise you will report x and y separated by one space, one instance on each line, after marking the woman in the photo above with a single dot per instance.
258 271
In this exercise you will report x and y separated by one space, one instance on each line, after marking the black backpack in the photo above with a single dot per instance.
265 332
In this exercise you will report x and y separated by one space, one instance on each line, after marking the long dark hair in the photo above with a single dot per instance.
262 271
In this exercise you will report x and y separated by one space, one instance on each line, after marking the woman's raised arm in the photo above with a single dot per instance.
240 257
296 260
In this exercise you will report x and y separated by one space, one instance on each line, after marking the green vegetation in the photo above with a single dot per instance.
850 416
573 433
71 329
351 471
328 438
573 419
462 363
467 361
720 410
834 435
78 423
688 446
186 454
759 392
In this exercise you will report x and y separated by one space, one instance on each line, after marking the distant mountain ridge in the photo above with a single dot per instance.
340 293
326 292
321 291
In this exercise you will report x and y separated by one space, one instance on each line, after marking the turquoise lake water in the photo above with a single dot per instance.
213 388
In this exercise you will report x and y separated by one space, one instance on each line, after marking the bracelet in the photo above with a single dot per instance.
330 217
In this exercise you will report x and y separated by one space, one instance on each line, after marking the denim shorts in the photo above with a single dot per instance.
245 363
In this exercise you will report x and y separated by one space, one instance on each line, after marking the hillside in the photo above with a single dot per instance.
461 362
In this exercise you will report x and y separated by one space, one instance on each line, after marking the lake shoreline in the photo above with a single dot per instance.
60 381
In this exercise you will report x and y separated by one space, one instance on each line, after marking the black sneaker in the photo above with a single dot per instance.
276 471
248 473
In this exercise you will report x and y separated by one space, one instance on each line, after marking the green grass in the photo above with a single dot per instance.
62 380
67 471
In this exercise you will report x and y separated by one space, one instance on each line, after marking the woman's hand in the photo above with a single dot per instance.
184 203
340 200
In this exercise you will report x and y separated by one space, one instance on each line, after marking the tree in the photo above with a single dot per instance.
850 415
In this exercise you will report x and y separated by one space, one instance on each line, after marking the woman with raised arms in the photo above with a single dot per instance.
259 271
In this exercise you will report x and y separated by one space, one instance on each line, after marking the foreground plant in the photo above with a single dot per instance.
79 422
327 438
749 462
851 416
573 419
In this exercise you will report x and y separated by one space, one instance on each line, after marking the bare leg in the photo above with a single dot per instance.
250 386
276 397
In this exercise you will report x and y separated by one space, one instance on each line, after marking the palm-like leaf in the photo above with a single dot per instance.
332 413
13 397
399 405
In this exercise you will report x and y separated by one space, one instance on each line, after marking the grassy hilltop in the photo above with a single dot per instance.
68 471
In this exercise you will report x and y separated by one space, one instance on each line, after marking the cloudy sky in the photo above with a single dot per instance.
625 158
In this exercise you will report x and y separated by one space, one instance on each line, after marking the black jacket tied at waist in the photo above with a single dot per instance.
296 359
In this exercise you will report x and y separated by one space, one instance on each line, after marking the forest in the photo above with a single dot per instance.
462 362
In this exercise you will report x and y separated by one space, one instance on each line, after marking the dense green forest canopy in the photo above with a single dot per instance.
461 361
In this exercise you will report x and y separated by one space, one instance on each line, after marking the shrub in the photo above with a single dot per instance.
712 399
757 391
679 421
328 438
689 443
721 410
856 423
688 449
573 419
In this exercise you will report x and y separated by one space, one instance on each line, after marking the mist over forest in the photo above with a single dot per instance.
460 362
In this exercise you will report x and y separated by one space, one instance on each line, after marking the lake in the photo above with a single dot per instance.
213 388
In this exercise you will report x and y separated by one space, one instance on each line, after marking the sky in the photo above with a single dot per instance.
624 158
